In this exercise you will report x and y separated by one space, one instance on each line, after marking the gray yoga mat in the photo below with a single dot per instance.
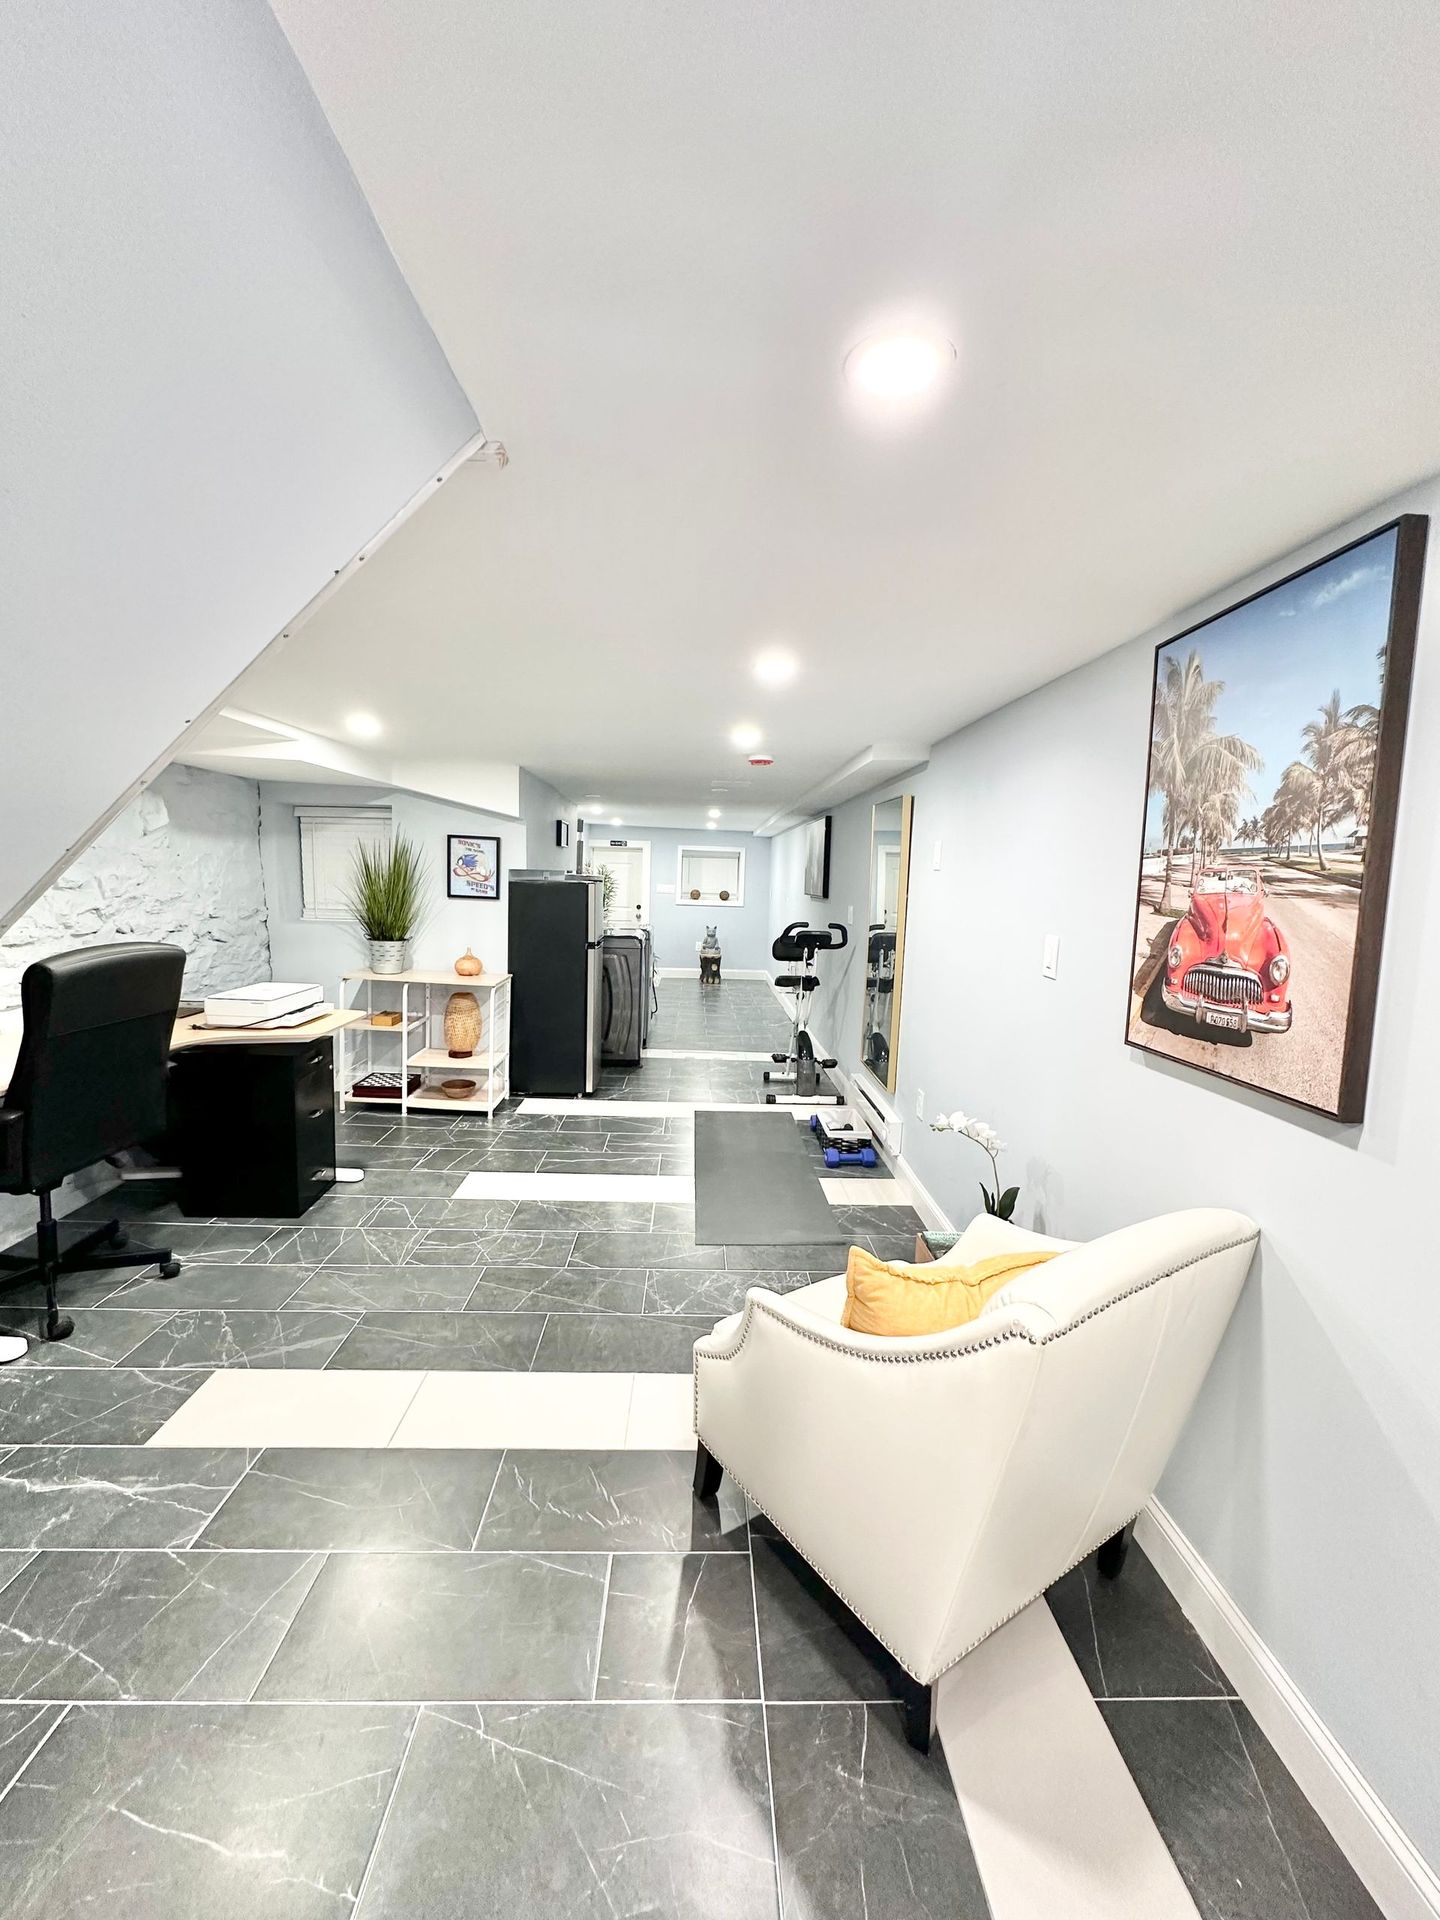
757 1182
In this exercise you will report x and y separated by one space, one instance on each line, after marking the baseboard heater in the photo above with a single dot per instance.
884 1123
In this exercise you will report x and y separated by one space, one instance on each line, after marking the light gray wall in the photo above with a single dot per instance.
541 805
324 949
217 387
1309 1474
745 933
180 863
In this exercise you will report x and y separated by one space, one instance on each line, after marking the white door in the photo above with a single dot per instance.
630 898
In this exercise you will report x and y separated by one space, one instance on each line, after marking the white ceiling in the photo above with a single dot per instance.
1189 256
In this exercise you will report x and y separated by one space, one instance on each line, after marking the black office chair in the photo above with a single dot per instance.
89 1082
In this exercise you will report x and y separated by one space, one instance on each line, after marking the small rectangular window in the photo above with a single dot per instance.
710 877
328 839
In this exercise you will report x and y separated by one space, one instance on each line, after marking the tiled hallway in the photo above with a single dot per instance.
344 1666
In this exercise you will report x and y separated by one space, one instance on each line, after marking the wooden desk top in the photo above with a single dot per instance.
193 1033
189 1033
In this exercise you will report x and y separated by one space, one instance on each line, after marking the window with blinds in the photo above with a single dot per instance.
710 877
328 839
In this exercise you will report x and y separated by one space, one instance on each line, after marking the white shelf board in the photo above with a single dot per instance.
485 1061
422 977
431 1098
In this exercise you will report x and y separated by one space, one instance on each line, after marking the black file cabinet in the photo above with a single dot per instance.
253 1127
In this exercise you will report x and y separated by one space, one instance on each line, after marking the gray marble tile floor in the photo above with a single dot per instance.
430 1681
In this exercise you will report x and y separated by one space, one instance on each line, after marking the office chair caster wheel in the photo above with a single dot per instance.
118 1240
59 1328
1110 1555
169 1269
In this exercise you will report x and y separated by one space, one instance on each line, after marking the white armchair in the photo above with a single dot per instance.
940 1484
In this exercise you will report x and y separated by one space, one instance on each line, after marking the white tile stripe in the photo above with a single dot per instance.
662 1109
1055 1820
636 1109
256 1407
710 1053
863 1193
677 1187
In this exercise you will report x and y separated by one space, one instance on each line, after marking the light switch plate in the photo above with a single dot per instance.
1050 965
935 857
919 1104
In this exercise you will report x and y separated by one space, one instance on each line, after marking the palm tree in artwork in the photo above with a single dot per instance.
1198 773
1335 750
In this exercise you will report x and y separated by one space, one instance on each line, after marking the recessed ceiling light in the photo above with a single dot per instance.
712 826
616 821
745 738
714 813
776 667
898 366
364 726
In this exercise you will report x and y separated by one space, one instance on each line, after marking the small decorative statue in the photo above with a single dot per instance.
710 958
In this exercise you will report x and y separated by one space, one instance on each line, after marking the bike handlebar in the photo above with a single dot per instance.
805 935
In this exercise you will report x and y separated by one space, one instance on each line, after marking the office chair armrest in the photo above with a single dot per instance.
11 1145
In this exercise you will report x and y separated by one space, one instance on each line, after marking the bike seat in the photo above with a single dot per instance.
805 982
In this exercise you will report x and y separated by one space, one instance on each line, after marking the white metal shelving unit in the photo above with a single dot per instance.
418 1044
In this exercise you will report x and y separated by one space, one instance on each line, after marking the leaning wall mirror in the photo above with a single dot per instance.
885 942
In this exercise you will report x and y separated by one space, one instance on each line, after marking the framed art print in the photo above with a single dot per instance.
1276 739
472 866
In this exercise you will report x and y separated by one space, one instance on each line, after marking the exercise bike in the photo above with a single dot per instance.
801 1067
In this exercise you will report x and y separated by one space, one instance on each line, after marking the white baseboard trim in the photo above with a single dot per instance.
726 973
1399 1880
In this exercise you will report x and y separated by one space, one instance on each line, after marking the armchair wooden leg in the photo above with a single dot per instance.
707 1472
1110 1556
917 1705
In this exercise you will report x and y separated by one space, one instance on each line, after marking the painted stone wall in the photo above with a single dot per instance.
181 863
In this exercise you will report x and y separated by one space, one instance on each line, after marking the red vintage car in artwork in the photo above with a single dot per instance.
1228 965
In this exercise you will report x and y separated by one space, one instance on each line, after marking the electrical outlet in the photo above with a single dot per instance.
1050 964
849 916
919 1104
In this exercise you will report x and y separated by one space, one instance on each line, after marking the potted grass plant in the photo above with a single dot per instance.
387 897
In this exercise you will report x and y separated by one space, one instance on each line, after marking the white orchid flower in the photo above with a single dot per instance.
990 1143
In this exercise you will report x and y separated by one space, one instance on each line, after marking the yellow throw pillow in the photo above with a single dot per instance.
891 1297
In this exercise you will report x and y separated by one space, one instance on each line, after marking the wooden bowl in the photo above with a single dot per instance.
457 1089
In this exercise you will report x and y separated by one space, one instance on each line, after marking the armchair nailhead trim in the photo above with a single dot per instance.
901 1359
871 1628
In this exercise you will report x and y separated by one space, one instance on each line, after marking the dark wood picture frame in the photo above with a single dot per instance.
818 837
1411 533
454 888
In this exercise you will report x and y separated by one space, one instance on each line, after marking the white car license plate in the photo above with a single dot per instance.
1232 1021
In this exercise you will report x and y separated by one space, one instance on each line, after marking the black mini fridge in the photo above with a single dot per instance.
556 943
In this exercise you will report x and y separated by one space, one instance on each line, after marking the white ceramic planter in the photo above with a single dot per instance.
389 956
